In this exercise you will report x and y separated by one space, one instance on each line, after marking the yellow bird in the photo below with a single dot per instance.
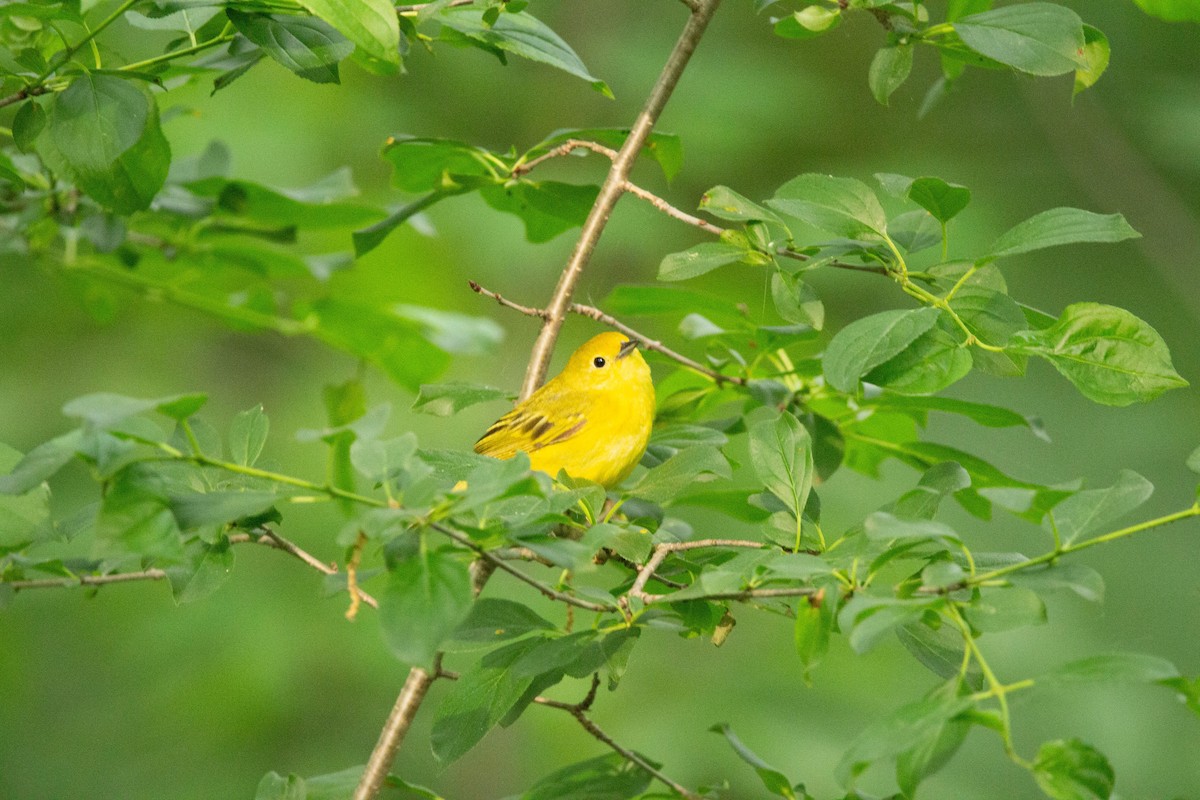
592 420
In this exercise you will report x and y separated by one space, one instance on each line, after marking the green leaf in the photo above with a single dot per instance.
915 231
446 399
105 410
307 46
425 165
781 452
808 22
772 779
1072 770
206 568
1088 511
274 786
495 620
456 333
1096 53
607 777
478 699
1003 609
105 133
1038 38
427 598
40 463
1171 10
371 25
889 70
1112 668
317 206
1110 355
866 620
882 526
841 206
796 301
197 509
547 208
629 543
933 361
523 35
724 203
1060 226
24 518
941 199
27 125
939 649
662 483
896 733
248 435
814 620
980 413
868 342
699 259
1079 578
929 754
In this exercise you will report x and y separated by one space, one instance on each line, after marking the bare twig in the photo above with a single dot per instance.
352 576
270 538
500 564
611 321
638 589
579 712
569 146
746 594
671 211
611 190
87 580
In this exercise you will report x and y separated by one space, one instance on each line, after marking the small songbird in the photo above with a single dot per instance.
592 420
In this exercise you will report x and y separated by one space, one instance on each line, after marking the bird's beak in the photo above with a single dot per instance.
627 347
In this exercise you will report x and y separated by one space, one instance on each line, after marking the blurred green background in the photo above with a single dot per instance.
125 695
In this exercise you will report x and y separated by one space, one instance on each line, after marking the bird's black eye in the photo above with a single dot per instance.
598 361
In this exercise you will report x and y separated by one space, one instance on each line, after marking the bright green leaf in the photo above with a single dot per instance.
868 342
889 70
1059 226
370 24
427 598
1072 770
1110 355
1038 38
699 259
781 452
1096 53
841 206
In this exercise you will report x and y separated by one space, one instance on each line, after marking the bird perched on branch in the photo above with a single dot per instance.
592 420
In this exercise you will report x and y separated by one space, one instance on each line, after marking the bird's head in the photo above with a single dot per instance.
607 361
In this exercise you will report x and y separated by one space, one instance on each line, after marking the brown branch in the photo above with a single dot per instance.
264 536
610 191
579 712
661 552
23 94
394 729
671 211
413 693
86 580
569 146
612 322
500 564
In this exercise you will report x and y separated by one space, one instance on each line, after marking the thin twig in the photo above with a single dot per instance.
500 564
610 191
579 712
611 321
352 576
671 211
661 551
563 149
87 580
745 594
263 536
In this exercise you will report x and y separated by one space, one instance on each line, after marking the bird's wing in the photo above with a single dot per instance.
532 426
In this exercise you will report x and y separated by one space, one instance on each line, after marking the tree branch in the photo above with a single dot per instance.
638 589
606 319
265 537
418 682
610 191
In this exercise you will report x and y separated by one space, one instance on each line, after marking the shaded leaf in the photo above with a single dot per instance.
371 25
427 598
1072 770
772 779
1038 38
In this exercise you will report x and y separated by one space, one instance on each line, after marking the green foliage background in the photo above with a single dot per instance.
126 695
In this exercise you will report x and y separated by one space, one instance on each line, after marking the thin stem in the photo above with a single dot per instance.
638 589
567 147
670 210
610 191
91 34
606 319
86 580
499 563
174 54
